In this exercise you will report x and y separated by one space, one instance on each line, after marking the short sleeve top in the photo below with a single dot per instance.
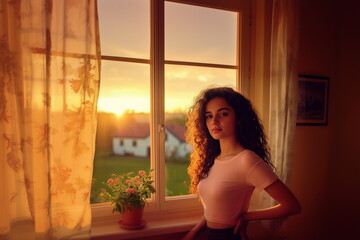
226 192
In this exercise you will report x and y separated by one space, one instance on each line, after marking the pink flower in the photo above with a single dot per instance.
136 184
128 181
117 180
103 190
137 178
130 190
110 181
142 173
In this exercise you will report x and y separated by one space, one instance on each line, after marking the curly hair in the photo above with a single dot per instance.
250 132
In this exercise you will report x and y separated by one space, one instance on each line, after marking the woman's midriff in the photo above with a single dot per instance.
218 225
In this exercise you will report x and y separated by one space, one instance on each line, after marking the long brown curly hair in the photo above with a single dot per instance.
250 132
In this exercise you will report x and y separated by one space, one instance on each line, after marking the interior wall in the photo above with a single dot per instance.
343 189
326 164
318 46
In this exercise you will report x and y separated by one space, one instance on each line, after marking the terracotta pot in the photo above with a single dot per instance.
132 217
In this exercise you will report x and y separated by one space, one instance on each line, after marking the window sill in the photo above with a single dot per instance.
157 224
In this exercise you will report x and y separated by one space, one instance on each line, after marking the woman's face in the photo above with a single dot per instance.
220 119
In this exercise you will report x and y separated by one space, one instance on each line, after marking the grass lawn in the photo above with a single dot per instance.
177 180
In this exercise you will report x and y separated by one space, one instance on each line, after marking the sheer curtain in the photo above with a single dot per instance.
283 88
49 83
283 84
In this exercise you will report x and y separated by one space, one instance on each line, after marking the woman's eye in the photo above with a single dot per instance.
224 114
208 116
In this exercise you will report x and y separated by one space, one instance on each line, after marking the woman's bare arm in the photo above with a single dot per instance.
288 205
199 227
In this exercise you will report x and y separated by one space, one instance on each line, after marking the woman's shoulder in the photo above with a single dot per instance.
248 159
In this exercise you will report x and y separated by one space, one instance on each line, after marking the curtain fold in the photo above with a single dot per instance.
283 89
283 84
49 84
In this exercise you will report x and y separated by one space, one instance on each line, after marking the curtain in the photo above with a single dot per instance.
283 88
283 84
49 84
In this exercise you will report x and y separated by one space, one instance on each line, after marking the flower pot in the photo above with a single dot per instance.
132 218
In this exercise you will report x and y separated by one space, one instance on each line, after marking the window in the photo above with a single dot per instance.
196 38
124 92
156 57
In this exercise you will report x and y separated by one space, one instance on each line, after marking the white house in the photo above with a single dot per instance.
134 139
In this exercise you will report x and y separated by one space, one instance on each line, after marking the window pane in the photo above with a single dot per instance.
124 86
199 34
123 131
125 28
178 98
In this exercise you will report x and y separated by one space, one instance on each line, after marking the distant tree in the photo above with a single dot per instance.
127 117
107 124
180 119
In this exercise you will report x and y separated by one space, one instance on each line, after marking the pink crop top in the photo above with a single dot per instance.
226 192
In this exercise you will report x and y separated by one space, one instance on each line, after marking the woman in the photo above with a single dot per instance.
230 159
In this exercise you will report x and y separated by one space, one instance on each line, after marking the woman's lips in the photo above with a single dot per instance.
216 130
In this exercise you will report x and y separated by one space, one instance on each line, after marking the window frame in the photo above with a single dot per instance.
159 202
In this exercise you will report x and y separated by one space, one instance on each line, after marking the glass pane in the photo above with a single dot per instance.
125 28
178 98
124 86
123 130
199 34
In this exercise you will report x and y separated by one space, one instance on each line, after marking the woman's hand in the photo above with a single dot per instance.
190 235
198 228
241 227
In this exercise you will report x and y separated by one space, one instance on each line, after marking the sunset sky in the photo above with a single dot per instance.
192 33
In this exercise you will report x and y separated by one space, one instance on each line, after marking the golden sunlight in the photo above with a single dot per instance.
119 105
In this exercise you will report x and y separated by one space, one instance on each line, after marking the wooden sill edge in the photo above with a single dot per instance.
155 226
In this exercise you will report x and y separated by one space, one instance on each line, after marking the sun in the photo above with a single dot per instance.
119 105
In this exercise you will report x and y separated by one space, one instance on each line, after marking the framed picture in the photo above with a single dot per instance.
312 106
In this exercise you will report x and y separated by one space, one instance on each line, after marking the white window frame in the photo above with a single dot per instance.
159 202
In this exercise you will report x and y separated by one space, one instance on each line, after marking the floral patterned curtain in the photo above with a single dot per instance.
49 84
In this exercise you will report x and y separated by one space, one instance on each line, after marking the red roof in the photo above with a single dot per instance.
142 130
176 129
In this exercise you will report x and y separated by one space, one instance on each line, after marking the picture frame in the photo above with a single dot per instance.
313 96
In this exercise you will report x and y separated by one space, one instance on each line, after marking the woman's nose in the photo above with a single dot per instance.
215 120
